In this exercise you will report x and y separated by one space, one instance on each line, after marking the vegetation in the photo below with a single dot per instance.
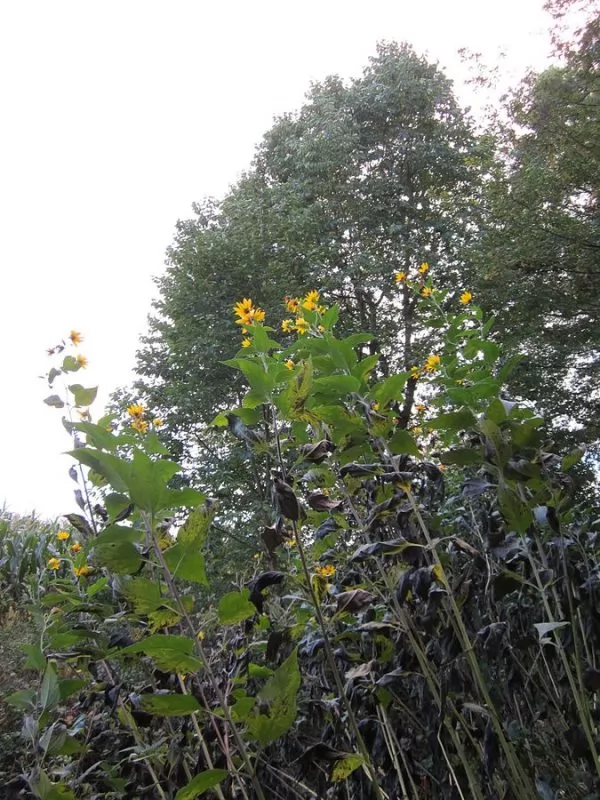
370 569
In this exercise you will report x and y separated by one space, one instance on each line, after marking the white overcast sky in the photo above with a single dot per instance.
115 117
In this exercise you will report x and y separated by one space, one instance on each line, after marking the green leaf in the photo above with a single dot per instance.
54 400
515 511
330 317
452 421
68 686
82 396
44 789
171 653
49 691
97 435
35 657
169 705
184 563
279 695
403 442
461 456
345 767
390 389
200 783
22 699
572 458
338 385
70 364
364 367
235 607
120 557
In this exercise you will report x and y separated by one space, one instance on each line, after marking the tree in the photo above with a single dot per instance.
541 250
369 178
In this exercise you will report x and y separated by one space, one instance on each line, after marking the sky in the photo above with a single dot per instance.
115 117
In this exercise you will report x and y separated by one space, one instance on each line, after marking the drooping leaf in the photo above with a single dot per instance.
345 767
235 607
277 703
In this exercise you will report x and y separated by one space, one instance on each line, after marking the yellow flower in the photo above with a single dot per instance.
243 307
375 406
75 337
292 304
320 328
311 301
424 268
301 325
322 309
289 363
287 325
54 563
246 342
427 291
400 277
81 571
63 536
200 636
158 422
75 547
466 298
326 571
140 425
81 360
432 362
258 315
421 408
417 430
415 372
135 410
405 486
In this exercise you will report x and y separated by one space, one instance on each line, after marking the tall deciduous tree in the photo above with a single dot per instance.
371 177
541 251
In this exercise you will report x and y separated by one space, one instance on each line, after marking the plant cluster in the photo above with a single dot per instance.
419 620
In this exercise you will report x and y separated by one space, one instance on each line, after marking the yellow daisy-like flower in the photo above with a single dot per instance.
322 309
75 337
421 408
427 291
289 363
136 410
292 304
246 342
200 636
243 307
140 425
415 373
79 572
158 422
81 360
287 326
301 325
258 315
423 268
76 547
63 536
325 572
432 362
320 328
466 298
311 301
54 563
400 277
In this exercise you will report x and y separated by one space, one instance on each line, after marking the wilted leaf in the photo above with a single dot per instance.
322 502
544 628
354 600
55 401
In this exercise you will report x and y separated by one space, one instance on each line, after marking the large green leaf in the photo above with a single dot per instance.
184 563
169 705
391 388
200 783
235 607
345 767
277 702
171 653
515 511
403 442
83 396
452 421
